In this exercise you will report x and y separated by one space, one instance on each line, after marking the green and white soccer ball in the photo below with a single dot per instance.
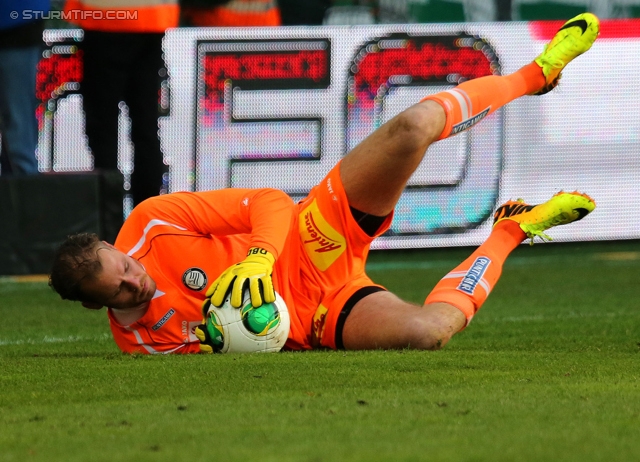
248 329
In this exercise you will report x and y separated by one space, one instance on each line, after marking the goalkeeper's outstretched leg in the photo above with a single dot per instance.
375 173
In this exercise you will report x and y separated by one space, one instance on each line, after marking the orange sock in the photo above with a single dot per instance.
473 100
469 284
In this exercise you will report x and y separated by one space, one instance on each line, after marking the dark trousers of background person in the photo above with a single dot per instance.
303 12
124 67
504 10
20 52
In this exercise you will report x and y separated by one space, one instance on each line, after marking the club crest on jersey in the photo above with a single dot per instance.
467 124
194 279
474 275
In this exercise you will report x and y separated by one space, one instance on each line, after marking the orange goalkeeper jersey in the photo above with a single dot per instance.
185 241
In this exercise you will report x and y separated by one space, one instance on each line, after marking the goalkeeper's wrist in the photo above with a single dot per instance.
258 253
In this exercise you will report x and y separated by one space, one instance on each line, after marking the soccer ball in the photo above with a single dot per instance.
248 329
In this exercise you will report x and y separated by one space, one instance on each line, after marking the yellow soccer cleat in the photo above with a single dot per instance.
534 220
574 38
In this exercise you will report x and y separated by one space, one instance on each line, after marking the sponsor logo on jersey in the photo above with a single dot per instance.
474 275
319 319
322 243
195 279
164 319
188 331
466 124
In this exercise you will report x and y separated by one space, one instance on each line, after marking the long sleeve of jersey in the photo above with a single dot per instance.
264 214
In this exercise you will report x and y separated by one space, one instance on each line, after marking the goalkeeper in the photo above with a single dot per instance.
179 251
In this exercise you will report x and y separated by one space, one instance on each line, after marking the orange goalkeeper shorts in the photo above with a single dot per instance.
334 254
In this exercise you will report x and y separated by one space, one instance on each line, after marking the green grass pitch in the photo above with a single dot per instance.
549 370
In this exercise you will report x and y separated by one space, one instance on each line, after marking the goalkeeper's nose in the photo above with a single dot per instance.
134 284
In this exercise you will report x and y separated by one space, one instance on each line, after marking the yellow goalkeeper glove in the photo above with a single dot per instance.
255 270
209 332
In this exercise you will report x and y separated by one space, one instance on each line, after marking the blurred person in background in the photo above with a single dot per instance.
503 8
21 26
230 13
122 55
303 12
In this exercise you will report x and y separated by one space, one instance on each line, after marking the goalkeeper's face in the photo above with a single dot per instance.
123 282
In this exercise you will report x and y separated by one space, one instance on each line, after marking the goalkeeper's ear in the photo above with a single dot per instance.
92 306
